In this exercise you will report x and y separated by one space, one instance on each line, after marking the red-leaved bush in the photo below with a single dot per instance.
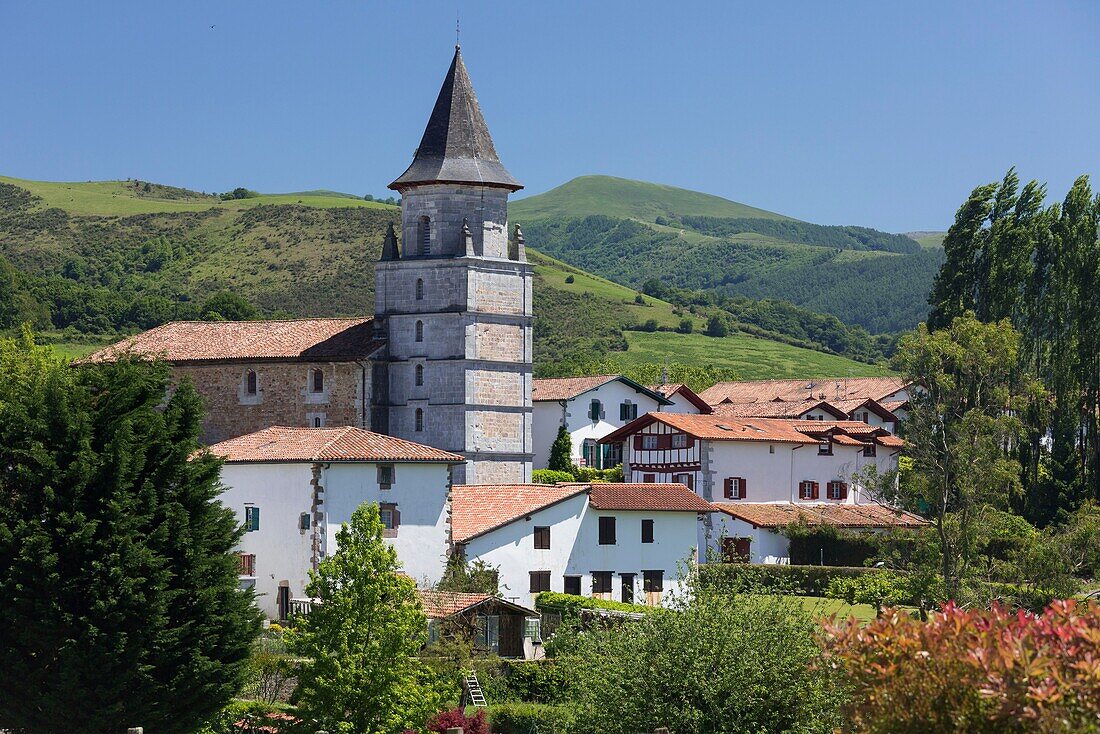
988 671
476 724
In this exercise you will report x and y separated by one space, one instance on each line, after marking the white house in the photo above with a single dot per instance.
293 488
590 408
749 462
625 542
683 399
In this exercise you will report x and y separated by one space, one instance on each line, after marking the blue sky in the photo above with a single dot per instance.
881 114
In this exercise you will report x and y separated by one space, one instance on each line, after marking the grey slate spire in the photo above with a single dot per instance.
390 251
456 147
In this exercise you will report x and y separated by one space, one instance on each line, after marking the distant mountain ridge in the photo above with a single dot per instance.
632 231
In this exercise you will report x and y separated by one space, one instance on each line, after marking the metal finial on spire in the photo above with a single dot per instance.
458 28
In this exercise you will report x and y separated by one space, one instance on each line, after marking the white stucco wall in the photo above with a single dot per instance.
680 404
575 549
546 418
283 492
766 546
611 396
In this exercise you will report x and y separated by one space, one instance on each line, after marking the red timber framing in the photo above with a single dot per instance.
663 452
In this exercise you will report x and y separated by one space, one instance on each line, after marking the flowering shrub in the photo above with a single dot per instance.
444 720
988 671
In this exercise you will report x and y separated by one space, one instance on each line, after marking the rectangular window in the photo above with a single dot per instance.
572 585
647 531
391 519
540 581
595 410
385 476
488 633
825 448
386 515
653 581
248 564
251 518
735 488
303 521
627 580
532 629
649 443
869 450
649 478
542 539
808 490
601 582
607 531
628 411
684 479
679 440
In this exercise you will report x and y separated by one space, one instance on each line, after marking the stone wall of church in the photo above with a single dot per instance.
284 395
485 210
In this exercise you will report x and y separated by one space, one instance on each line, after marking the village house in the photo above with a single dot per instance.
748 462
495 625
292 488
592 407
878 401
624 542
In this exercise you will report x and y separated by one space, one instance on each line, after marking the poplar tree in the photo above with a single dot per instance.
121 604
954 290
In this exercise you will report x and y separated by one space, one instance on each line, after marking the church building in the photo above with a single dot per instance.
446 360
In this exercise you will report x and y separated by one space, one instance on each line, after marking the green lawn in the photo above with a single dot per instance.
752 358
73 350
822 608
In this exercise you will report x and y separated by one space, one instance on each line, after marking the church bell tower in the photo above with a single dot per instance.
453 300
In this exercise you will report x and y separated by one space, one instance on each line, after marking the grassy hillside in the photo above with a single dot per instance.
104 256
631 231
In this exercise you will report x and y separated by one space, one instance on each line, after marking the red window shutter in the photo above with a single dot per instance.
744 491
729 488
664 441
843 490
816 489
637 442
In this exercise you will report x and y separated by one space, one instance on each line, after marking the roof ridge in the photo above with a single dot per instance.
343 431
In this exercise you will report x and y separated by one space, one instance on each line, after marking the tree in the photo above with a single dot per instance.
561 451
716 326
686 326
120 583
227 306
361 641
960 423
953 293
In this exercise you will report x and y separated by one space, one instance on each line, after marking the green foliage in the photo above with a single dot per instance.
790 230
879 589
572 606
121 584
239 193
462 574
716 326
720 662
686 326
270 672
227 306
361 641
240 717
829 545
561 452
523 681
530 718
776 579
550 476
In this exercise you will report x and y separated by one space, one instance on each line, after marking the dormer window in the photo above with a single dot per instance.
420 289
317 380
420 331
424 236
251 383
869 450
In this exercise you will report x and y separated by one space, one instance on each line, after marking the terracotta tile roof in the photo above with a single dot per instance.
828 388
441 604
776 409
566 388
673 388
779 514
892 405
638 496
721 428
222 341
478 508
294 444
890 440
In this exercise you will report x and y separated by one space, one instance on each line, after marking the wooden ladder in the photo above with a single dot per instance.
473 690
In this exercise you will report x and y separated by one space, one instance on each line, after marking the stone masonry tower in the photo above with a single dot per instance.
453 300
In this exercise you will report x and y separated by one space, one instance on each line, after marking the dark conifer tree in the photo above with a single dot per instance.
121 605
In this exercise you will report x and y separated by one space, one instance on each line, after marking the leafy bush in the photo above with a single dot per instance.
550 476
529 718
720 663
879 589
590 474
444 720
802 580
982 671
570 606
246 716
270 674
828 545
526 681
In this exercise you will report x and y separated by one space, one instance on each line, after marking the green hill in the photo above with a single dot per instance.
95 259
631 232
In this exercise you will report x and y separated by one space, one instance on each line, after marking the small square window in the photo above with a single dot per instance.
679 440
649 478
573 585
653 580
601 582
825 448
869 450
540 581
385 476
649 443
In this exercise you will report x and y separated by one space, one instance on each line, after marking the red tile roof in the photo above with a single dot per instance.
294 444
441 604
720 428
670 389
828 388
779 514
223 341
776 409
478 508
566 388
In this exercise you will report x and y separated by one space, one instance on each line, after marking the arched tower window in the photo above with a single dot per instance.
317 380
420 289
250 382
424 236
419 419
420 375
420 331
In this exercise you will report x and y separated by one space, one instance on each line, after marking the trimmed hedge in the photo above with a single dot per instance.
571 606
550 476
529 718
522 681
800 580
832 548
